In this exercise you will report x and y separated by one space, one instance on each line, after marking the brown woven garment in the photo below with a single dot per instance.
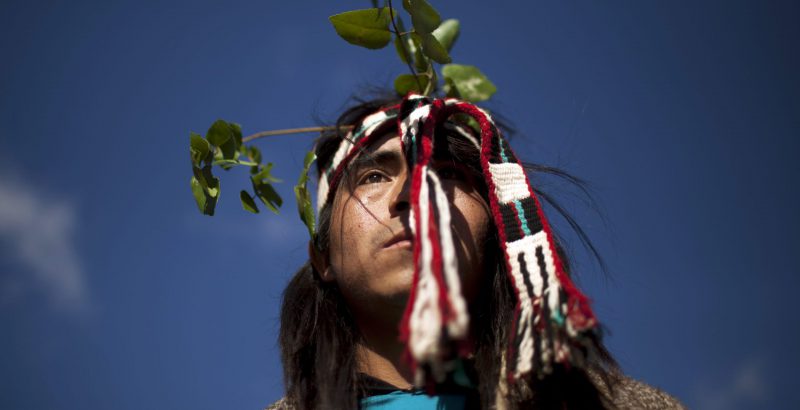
629 394
279 405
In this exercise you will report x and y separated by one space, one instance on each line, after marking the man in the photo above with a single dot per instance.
434 280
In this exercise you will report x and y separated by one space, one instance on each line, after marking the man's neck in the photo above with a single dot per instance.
380 356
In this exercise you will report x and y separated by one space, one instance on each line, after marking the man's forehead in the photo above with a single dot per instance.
386 148
387 142
391 143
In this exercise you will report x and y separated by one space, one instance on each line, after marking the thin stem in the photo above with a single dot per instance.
406 51
294 131
432 80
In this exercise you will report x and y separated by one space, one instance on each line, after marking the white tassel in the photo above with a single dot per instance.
525 326
457 327
425 322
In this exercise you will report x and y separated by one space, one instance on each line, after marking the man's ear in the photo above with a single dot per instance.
319 260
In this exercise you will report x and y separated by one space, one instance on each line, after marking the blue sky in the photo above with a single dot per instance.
116 292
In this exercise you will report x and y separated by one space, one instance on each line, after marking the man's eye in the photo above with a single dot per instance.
372 178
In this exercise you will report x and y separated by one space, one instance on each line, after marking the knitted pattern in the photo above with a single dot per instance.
552 318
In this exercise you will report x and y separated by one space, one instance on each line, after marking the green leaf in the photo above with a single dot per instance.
248 203
267 194
421 63
423 16
450 88
467 82
405 83
205 201
303 198
228 137
366 28
262 186
219 133
199 195
254 154
198 147
200 176
307 161
236 129
207 180
265 174
229 150
447 33
433 49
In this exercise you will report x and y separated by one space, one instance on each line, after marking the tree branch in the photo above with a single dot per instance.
403 46
294 131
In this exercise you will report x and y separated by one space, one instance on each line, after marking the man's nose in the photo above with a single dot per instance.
400 196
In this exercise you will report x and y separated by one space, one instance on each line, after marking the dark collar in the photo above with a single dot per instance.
373 386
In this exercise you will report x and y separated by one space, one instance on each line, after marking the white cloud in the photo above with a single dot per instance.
285 228
36 233
746 386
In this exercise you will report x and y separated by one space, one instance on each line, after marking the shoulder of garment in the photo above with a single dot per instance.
628 393
281 404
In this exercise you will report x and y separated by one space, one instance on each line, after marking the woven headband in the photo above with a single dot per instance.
552 321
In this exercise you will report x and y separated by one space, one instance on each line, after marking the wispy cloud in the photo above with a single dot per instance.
746 387
36 233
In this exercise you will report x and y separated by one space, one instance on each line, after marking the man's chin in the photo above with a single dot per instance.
390 304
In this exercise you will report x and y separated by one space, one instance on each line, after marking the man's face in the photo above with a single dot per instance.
371 245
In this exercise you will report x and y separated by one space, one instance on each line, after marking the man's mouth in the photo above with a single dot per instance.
398 241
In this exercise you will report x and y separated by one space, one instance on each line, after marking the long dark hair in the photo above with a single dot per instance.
318 335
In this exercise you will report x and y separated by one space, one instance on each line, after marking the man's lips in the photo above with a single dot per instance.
399 241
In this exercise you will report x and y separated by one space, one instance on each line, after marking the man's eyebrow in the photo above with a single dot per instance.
391 158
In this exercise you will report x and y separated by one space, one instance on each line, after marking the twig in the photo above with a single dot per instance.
294 131
403 46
